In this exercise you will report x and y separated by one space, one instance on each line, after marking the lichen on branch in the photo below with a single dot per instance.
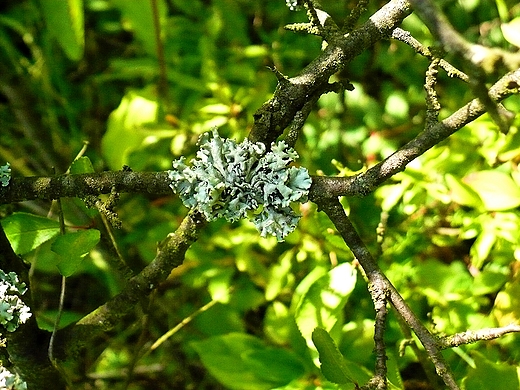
13 311
240 180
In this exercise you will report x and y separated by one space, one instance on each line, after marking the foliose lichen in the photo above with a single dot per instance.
11 381
294 5
5 174
237 180
13 311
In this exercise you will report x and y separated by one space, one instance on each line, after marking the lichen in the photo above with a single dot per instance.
241 180
10 380
13 310
294 5
5 174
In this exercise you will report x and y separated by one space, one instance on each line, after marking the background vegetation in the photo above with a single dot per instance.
135 83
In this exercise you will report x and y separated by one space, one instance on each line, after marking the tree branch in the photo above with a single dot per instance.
81 185
472 336
378 292
487 59
30 188
479 60
290 96
366 182
157 183
376 277
170 255
405 36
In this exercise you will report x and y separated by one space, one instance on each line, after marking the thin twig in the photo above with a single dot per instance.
472 336
162 83
181 324
335 211
406 37
479 60
378 293
63 287
355 14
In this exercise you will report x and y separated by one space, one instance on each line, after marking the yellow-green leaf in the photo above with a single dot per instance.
73 247
27 231
333 364
497 190
462 193
64 19
511 31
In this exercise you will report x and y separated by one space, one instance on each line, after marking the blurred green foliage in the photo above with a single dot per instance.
446 231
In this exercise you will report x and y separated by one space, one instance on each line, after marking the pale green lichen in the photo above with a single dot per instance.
11 381
5 174
294 5
13 310
233 181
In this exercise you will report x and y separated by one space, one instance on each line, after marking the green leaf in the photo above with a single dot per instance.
482 246
280 328
490 375
216 109
27 231
73 247
82 165
138 15
511 31
124 128
243 362
64 19
279 275
47 319
444 283
322 304
397 105
490 280
130 126
462 193
497 190
332 362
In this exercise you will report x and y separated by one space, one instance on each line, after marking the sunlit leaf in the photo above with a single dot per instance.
491 375
462 193
216 109
324 300
511 31
130 126
397 105
489 280
507 304
497 190
481 249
